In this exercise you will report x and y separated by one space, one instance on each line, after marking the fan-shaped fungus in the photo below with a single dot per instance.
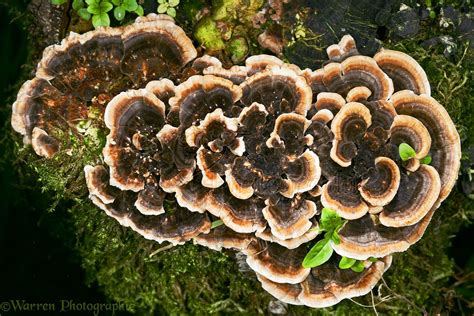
259 147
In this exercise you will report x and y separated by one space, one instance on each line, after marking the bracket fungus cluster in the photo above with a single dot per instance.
261 147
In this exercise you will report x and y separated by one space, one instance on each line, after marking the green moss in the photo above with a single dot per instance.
228 30
238 49
225 9
183 279
208 35
232 10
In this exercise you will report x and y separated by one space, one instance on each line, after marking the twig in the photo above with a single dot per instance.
160 250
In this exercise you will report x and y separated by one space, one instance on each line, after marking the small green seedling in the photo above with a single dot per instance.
98 9
407 152
168 7
346 263
426 160
322 251
353 264
358 266
123 6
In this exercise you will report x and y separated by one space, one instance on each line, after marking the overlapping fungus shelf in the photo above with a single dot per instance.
261 147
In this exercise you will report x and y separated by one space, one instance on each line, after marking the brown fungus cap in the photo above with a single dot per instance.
445 148
285 292
324 286
328 285
329 100
155 48
94 67
289 218
224 237
177 161
417 194
381 188
134 118
366 237
341 195
280 89
351 121
407 129
43 144
85 65
261 147
42 107
175 227
236 74
291 243
200 95
405 72
193 195
357 71
243 216
97 180
344 49
277 263
358 94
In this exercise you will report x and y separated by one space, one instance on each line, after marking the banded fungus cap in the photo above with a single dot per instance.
445 150
364 237
176 227
94 67
134 118
277 263
404 71
155 47
223 237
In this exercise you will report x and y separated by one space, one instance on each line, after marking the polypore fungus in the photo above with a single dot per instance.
91 68
259 148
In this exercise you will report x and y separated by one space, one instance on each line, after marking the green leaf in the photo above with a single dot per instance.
171 12
84 14
319 254
106 6
139 10
329 219
426 160
161 1
373 259
173 3
162 8
346 263
78 4
117 2
90 2
100 20
217 223
58 2
335 237
358 266
93 9
130 5
119 13
406 151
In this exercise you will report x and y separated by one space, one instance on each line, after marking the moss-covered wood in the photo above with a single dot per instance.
194 280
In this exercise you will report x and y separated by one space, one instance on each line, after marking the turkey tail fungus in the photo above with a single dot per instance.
260 149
